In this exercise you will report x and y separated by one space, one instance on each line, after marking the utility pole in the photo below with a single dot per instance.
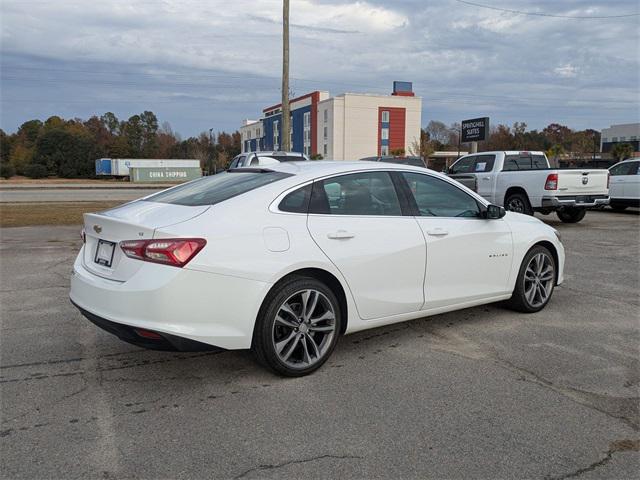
285 136
210 156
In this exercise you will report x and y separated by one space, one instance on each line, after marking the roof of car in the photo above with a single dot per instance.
319 168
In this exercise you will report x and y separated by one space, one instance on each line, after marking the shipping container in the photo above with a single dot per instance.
119 167
164 174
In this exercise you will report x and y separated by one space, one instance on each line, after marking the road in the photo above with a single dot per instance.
73 194
480 393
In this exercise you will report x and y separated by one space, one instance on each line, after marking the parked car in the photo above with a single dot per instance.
415 161
255 159
625 185
525 183
285 260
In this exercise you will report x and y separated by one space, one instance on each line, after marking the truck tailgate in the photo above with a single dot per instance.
583 182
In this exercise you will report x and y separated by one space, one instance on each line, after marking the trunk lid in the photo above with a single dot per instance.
582 182
132 221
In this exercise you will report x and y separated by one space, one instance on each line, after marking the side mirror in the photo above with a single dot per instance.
494 212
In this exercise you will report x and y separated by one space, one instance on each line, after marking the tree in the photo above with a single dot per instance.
111 123
134 132
622 151
438 132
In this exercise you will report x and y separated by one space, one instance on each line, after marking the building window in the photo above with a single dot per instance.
276 135
326 116
384 150
325 132
385 116
306 146
614 139
307 119
257 133
622 139
384 134
324 150
634 138
604 140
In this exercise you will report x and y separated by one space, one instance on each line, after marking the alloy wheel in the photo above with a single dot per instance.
539 277
303 329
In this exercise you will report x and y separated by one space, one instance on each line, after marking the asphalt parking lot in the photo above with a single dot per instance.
479 393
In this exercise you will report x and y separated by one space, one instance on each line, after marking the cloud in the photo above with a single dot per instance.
202 64
566 71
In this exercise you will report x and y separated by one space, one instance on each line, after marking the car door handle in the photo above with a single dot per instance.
486 178
437 232
340 235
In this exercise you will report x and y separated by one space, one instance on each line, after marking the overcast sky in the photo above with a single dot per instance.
202 64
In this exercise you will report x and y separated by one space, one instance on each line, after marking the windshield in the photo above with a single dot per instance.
217 188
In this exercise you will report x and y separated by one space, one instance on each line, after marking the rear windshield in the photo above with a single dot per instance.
217 188
525 162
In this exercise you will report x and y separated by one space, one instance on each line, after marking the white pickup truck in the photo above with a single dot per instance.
524 182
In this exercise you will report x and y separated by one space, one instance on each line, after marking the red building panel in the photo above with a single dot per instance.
397 127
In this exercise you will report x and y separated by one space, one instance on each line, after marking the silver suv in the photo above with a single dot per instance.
256 159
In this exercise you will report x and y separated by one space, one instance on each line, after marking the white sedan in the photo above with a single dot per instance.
284 260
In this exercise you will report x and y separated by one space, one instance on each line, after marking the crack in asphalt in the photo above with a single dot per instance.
260 468
614 447
571 393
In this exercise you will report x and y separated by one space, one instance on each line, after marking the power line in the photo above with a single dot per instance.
542 14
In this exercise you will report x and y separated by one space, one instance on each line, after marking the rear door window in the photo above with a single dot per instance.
366 193
217 188
484 163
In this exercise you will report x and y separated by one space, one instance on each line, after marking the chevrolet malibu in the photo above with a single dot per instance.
286 259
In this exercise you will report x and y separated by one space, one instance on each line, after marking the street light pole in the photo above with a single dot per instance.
285 135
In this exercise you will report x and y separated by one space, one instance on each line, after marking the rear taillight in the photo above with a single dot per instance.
552 182
608 179
83 235
176 252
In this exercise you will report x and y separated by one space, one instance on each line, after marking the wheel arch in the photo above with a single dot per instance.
515 189
326 277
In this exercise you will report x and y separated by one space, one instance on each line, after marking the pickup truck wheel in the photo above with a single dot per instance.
571 214
536 279
519 203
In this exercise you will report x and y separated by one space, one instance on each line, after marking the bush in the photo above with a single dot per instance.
35 170
7 170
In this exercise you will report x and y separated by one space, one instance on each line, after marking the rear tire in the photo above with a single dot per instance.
535 283
571 214
297 327
519 203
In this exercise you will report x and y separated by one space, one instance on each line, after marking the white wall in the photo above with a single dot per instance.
354 123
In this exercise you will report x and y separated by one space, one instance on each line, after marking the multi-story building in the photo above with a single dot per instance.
346 127
621 133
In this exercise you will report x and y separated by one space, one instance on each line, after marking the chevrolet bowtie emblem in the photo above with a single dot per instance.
97 228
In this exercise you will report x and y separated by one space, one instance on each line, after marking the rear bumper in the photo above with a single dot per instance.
136 336
575 201
179 304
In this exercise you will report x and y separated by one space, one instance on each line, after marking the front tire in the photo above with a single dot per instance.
571 214
535 282
519 203
297 327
